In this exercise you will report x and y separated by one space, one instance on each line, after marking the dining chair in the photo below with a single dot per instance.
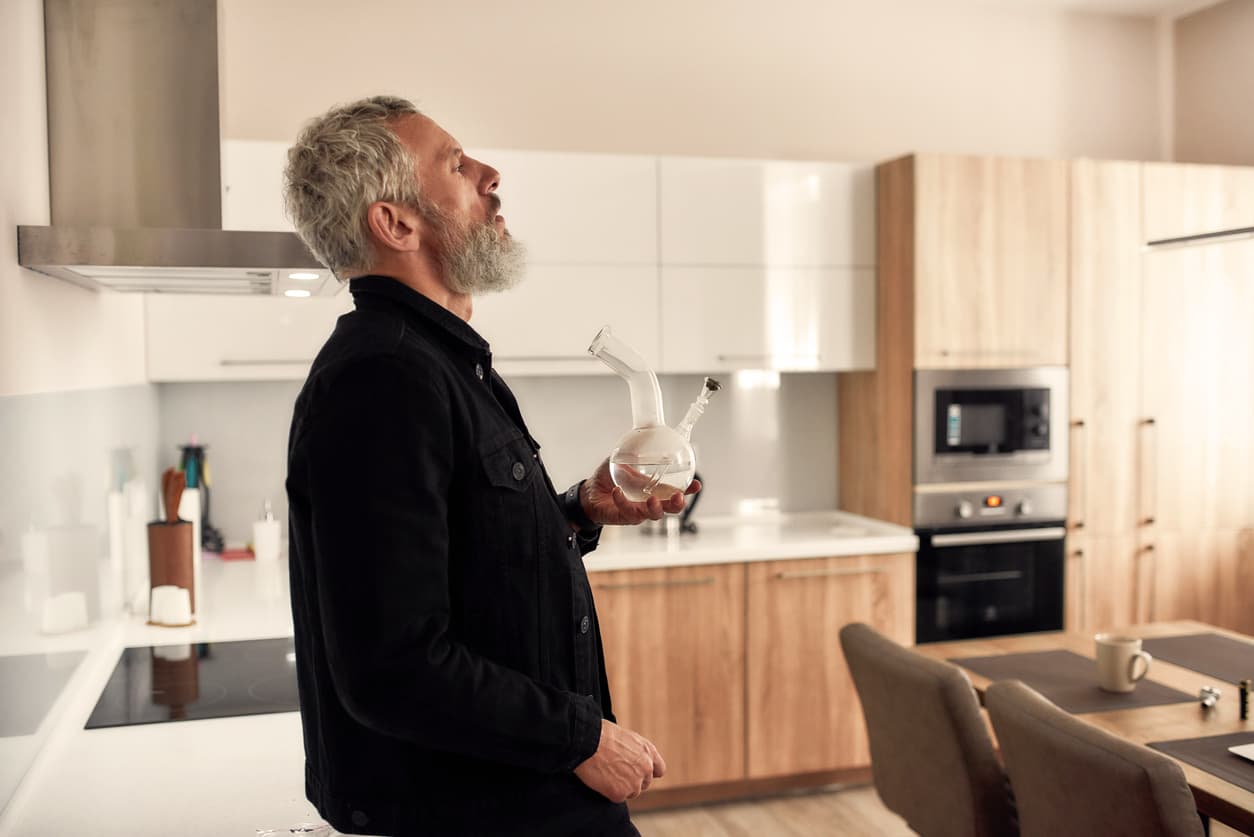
1070 777
932 758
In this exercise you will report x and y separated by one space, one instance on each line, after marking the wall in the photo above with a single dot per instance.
71 391
1214 85
788 79
758 441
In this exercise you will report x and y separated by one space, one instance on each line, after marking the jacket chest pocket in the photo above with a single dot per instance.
508 501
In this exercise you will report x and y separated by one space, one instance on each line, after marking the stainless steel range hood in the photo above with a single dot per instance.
134 159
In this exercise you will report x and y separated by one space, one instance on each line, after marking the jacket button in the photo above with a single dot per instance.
359 818
584 624
520 470
479 371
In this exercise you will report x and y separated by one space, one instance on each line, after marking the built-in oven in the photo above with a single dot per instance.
990 425
990 561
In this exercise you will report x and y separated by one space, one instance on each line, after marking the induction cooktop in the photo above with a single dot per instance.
158 683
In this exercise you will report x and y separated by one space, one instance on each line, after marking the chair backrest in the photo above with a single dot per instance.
1073 778
931 754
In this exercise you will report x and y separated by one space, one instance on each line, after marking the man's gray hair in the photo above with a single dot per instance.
342 162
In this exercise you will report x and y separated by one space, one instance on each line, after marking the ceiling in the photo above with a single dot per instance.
1138 8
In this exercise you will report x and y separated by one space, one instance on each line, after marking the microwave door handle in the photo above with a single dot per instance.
1049 533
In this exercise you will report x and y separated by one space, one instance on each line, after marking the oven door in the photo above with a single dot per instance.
989 581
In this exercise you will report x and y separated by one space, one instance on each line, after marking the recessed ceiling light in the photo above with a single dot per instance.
299 293
304 275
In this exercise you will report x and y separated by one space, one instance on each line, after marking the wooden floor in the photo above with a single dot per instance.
848 811
853 811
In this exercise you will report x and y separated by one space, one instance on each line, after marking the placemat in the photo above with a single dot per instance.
1211 754
1222 657
1070 681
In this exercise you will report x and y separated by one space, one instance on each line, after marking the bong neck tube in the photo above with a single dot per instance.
646 394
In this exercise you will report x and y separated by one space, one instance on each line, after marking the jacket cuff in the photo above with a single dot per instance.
585 717
572 508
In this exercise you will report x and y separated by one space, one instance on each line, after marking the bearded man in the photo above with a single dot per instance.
448 655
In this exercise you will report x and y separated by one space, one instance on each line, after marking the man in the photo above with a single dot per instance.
448 654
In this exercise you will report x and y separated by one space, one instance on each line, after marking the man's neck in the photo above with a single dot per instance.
428 283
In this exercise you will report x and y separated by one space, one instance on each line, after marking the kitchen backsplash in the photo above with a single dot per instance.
58 461
765 440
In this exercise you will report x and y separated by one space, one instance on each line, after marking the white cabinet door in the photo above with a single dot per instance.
757 212
785 318
544 325
252 185
236 338
573 208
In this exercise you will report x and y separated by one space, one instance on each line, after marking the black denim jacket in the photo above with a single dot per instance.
448 655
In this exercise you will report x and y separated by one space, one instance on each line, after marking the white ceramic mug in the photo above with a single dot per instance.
1117 658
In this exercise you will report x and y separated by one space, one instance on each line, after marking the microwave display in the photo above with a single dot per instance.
991 421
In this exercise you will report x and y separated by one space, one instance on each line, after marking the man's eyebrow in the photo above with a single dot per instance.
455 152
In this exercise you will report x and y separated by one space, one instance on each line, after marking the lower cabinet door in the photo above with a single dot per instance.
674 648
803 711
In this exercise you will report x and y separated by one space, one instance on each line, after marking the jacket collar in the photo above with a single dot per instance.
416 306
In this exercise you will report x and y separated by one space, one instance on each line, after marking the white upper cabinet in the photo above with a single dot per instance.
545 324
236 338
783 318
589 222
570 208
252 185
759 212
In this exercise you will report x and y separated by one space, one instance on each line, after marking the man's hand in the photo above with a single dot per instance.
624 765
605 503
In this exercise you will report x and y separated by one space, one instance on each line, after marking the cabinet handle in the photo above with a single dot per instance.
829 573
670 582
261 361
1080 473
1083 583
1147 500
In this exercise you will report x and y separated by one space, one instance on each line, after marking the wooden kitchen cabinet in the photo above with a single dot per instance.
1109 582
1198 477
1183 199
675 655
990 262
803 710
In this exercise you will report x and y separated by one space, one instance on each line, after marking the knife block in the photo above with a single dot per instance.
170 556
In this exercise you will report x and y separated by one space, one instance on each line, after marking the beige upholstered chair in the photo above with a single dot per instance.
1072 778
931 754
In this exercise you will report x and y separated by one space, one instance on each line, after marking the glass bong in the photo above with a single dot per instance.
651 460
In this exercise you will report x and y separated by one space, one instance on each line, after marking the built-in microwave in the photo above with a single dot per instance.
975 425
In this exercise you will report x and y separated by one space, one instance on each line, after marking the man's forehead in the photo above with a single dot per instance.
426 136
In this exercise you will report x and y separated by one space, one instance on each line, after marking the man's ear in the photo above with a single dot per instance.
394 227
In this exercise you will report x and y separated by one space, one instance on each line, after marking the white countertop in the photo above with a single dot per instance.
734 540
228 776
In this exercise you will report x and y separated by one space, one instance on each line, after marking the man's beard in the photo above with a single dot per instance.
475 258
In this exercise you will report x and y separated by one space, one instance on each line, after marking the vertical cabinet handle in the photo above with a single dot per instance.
1147 502
1083 615
1079 474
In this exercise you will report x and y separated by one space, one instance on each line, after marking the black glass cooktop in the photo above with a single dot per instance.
204 680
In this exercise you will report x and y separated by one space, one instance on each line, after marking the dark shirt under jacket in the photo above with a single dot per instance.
448 655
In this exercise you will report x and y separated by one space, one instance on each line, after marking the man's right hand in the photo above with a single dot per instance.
623 766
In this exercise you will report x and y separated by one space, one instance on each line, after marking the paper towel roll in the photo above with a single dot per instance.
266 540
189 509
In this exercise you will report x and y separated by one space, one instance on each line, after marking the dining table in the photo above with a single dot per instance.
1217 798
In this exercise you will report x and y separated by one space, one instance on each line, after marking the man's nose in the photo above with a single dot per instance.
490 179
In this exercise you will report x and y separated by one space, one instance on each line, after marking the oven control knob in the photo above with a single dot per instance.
1024 507
1041 429
964 510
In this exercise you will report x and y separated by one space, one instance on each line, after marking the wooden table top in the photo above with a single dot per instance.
1219 799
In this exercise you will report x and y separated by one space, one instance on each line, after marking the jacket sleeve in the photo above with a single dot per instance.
377 465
